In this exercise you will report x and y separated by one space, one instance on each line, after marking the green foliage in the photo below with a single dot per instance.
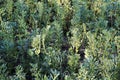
73 62
59 39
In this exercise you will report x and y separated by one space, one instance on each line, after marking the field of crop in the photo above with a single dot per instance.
59 39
